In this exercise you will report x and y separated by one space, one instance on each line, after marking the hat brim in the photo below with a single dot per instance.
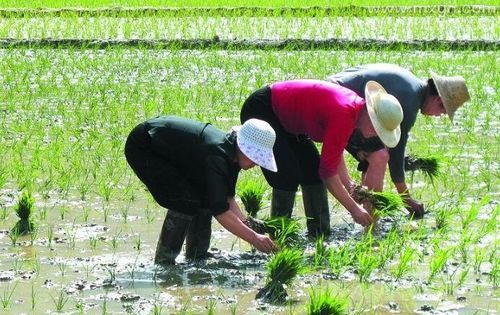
389 137
439 82
268 161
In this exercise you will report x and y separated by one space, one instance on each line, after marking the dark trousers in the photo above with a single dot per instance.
165 182
296 156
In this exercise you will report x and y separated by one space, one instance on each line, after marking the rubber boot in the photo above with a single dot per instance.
316 209
171 237
198 235
282 203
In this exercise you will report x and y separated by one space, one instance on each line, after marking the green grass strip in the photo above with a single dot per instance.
317 11
229 3
287 44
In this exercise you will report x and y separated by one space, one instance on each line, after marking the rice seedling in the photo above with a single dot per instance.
42 214
427 165
150 217
211 304
14 235
3 213
479 258
340 258
284 231
383 203
404 263
138 243
62 212
33 295
93 242
80 306
6 297
322 252
438 261
367 263
451 284
24 210
282 268
85 214
324 302
50 236
251 193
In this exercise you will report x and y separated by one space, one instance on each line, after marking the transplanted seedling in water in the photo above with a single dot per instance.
24 210
251 193
324 302
428 165
282 269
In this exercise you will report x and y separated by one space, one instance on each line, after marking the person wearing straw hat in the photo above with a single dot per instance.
191 169
306 111
435 96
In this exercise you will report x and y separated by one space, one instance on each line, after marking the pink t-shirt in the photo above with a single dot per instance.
324 111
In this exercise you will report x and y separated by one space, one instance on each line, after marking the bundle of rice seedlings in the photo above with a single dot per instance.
428 165
251 193
383 203
282 269
284 231
24 209
323 302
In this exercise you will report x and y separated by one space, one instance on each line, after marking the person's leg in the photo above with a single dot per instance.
199 234
172 235
285 181
170 190
377 164
314 193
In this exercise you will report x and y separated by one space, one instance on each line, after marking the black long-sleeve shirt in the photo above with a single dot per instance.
205 154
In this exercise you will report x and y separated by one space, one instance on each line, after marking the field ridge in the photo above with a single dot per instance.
286 44
313 11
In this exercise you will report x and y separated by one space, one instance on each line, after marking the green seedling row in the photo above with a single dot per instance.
257 11
223 32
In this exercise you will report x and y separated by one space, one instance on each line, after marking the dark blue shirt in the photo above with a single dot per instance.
202 152
405 86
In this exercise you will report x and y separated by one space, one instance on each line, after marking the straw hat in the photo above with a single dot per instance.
256 138
453 92
385 113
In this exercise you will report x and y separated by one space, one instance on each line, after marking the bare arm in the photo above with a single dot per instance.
235 225
235 208
358 213
344 174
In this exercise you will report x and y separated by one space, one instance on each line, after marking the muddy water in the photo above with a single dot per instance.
105 265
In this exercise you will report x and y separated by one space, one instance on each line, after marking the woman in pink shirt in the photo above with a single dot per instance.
306 111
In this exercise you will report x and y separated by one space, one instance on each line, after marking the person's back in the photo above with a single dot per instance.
398 81
196 148
309 107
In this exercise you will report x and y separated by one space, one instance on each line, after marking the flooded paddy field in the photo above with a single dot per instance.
66 113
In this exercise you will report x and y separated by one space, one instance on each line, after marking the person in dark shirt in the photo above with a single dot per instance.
191 168
436 96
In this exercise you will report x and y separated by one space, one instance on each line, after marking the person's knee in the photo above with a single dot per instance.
378 158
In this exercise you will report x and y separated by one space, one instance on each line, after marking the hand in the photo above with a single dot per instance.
361 216
264 244
256 225
415 208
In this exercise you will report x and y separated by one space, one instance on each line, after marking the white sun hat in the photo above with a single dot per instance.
256 138
453 92
385 113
